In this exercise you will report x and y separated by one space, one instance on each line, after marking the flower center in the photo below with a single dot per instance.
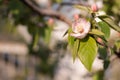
80 29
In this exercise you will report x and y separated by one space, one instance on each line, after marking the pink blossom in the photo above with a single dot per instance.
80 28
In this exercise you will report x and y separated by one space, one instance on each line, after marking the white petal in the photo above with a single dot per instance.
97 19
78 35
87 27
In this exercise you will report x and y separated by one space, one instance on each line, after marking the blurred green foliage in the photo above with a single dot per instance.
112 7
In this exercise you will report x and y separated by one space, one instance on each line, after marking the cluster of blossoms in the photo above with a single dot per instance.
81 27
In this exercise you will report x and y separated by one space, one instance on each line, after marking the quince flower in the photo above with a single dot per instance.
80 28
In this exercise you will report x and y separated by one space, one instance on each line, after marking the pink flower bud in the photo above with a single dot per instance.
100 40
94 8
118 34
50 21
76 16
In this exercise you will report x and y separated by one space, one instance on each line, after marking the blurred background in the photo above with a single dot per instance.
32 45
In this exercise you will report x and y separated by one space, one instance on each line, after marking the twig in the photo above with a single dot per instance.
46 12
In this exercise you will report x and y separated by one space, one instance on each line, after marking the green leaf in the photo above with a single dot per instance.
73 43
58 1
99 75
11 27
102 52
110 22
35 38
70 38
106 64
75 49
117 46
47 35
83 8
96 32
104 28
87 51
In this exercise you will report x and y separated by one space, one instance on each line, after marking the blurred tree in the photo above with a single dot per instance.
35 15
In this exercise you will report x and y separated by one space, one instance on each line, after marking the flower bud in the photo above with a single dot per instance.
99 40
94 8
118 34
50 21
76 16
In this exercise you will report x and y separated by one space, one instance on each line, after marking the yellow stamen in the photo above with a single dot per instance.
80 29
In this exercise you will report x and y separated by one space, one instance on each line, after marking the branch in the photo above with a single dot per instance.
46 12
71 4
